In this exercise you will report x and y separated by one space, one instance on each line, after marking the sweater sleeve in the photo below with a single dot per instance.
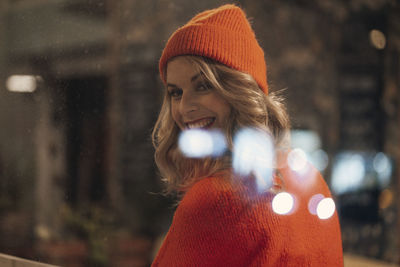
211 227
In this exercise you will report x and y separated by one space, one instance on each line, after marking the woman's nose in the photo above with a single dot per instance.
188 103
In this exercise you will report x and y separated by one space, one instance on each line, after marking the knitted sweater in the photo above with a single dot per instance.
221 224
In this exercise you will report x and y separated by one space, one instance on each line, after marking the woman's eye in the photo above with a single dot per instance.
204 87
175 93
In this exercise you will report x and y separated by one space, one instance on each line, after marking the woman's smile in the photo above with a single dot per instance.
200 123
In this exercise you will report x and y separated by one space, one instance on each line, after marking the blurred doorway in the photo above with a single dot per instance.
85 103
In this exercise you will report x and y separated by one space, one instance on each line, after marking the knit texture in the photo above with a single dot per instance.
218 224
224 35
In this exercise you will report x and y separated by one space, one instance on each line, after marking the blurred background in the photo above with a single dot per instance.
80 92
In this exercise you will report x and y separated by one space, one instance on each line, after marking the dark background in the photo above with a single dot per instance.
78 184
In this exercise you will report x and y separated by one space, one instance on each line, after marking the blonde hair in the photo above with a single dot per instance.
250 107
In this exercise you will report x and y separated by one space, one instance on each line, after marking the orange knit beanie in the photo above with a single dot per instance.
224 35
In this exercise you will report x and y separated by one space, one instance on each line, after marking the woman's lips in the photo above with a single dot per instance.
201 123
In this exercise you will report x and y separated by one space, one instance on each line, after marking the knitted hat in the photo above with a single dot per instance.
224 35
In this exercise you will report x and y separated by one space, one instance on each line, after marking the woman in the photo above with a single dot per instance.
215 77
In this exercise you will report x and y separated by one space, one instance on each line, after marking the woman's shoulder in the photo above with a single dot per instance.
209 190
222 196
211 197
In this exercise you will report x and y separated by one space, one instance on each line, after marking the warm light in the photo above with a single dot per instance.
348 172
385 199
326 208
377 39
197 143
43 232
297 160
21 83
313 203
282 203
253 153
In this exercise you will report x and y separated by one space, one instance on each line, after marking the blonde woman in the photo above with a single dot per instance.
214 72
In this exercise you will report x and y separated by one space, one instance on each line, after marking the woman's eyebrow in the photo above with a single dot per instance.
171 85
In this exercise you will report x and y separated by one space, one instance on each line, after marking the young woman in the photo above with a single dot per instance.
215 76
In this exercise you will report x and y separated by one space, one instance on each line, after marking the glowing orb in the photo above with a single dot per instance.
21 83
198 143
195 143
383 167
319 159
282 203
377 39
313 203
348 172
297 160
253 153
326 208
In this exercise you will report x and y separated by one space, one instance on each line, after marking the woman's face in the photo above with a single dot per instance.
194 103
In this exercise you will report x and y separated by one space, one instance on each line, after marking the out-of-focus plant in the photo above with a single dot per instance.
93 224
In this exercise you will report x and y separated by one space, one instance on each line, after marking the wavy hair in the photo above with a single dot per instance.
250 107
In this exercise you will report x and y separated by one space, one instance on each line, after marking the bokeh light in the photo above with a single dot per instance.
326 208
313 203
21 83
377 39
383 167
385 199
198 143
283 203
348 172
297 160
310 143
319 158
253 153
307 140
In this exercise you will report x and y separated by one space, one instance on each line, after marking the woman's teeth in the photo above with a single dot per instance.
200 124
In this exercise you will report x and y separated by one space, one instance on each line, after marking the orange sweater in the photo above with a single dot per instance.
218 224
